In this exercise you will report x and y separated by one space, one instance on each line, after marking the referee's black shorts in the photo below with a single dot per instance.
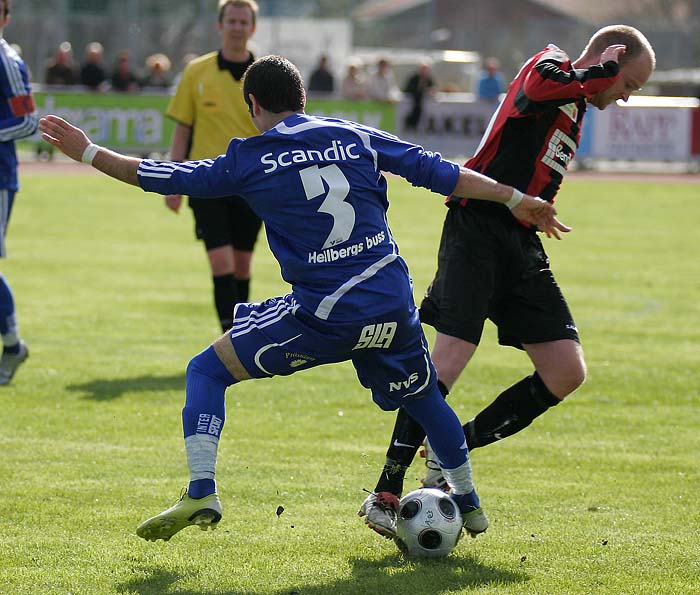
490 266
225 221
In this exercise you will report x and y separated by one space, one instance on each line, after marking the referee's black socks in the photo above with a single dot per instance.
225 298
243 289
514 409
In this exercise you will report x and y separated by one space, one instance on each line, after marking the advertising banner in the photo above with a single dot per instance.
652 129
640 133
131 123
136 123
454 128
372 113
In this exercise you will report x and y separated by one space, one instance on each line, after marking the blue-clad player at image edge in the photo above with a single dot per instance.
18 119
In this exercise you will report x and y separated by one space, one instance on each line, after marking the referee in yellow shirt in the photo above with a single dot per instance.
209 110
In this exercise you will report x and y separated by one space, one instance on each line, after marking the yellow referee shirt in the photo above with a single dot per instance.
210 101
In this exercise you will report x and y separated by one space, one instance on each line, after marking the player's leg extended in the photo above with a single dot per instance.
14 349
406 438
559 370
208 375
445 433
531 314
450 356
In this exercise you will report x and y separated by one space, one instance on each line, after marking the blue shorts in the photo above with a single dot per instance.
390 353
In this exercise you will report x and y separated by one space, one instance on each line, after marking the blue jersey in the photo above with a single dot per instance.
18 117
317 185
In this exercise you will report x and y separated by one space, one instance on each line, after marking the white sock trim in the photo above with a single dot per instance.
460 478
201 456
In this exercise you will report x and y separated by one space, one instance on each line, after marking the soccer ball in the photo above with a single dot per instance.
428 524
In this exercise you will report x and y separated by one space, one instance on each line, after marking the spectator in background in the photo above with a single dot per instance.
123 78
417 87
60 69
321 80
354 84
383 85
92 73
157 68
491 82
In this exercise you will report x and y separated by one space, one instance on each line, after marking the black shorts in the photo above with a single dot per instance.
225 221
490 266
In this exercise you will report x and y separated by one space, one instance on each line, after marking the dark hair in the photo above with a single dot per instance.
276 84
252 4
635 42
6 7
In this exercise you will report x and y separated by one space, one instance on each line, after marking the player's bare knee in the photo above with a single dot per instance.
565 381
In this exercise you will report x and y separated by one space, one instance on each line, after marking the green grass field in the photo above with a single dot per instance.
598 497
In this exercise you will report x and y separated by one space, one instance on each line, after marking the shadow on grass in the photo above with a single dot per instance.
104 390
369 577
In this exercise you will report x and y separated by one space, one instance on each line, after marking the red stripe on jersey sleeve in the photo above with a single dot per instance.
22 105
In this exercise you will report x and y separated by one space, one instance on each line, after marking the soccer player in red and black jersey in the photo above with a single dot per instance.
492 266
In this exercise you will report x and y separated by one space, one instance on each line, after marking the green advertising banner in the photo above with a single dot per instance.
136 123
371 113
124 122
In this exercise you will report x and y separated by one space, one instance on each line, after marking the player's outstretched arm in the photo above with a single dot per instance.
74 142
531 209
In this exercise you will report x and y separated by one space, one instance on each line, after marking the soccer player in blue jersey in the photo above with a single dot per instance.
18 118
317 185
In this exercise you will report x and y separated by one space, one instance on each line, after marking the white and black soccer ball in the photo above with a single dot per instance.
428 524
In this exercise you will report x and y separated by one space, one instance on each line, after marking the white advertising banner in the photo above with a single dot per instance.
642 133
452 128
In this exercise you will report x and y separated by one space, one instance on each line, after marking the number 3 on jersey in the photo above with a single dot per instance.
334 204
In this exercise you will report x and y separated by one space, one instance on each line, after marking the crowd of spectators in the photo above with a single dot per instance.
360 81
96 75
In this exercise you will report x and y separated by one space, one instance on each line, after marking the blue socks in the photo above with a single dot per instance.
441 426
203 418
201 488
8 323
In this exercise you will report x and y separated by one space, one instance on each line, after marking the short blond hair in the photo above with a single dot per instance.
252 4
634 40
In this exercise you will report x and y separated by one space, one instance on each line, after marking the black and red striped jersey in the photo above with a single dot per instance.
535 132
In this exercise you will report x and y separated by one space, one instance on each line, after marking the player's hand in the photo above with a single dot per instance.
612 53
540 213
173 202
69 139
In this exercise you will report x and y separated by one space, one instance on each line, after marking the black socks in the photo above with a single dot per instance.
225 298
514 409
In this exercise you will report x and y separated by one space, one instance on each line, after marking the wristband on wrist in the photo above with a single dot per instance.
515 199
89 153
